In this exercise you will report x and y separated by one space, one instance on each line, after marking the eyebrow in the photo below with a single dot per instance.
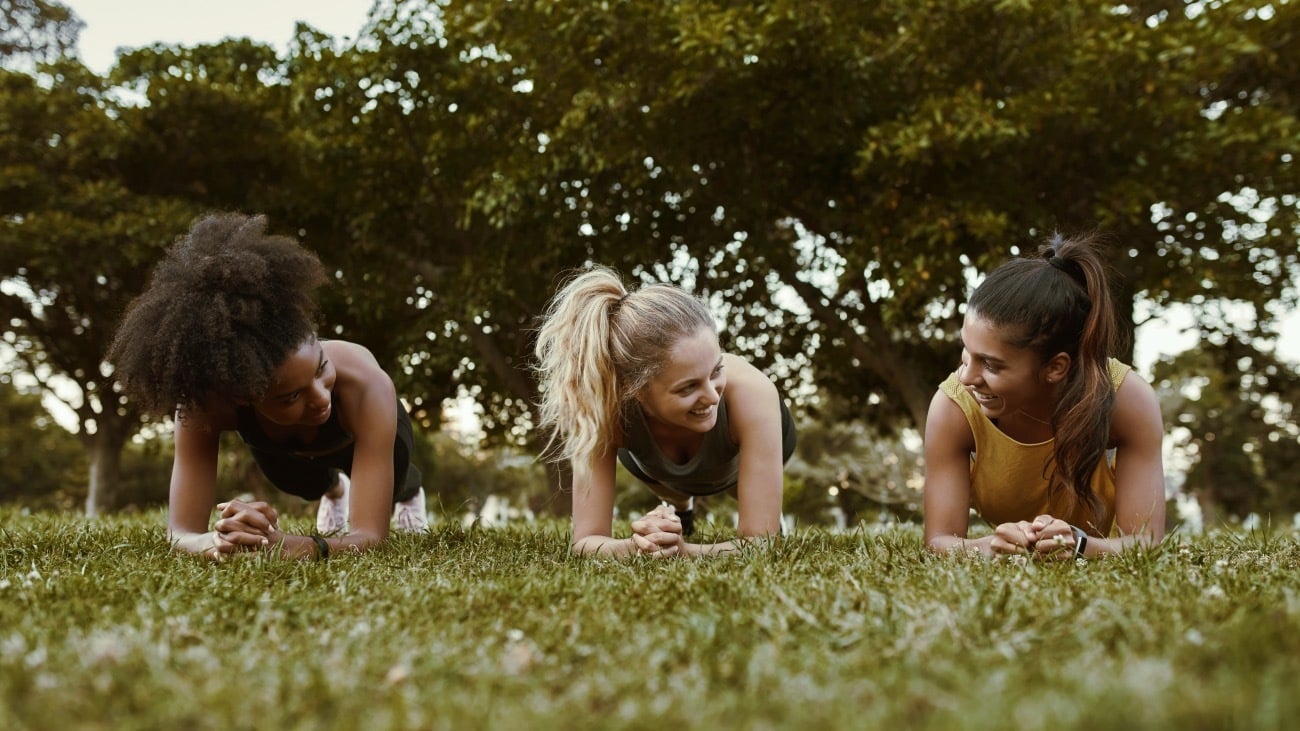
320 363
688 381
982 356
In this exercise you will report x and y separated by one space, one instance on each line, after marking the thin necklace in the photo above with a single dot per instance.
1035 418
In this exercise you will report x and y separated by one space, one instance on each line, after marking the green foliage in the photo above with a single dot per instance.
38 458
503 629
868 156
36 29
1235 421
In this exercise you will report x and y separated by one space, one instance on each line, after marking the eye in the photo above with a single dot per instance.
321 370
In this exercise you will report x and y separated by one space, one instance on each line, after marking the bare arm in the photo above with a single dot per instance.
193 490
1137 432
754 412
367 402
948 446
593 510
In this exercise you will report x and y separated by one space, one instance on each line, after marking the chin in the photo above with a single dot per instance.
695 423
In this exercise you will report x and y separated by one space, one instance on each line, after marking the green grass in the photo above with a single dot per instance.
101 627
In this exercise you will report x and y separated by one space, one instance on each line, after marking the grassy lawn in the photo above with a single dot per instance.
101 627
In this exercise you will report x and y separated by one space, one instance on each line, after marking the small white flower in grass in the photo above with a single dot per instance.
1194 636
514 635
1214 591
4 584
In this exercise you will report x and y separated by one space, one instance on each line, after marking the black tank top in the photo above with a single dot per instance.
330 436
714 468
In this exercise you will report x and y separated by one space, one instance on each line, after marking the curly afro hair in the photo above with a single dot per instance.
226 305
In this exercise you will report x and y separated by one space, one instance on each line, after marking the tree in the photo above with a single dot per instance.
40 30
1234 408
870 157
95 189
75 246
37 456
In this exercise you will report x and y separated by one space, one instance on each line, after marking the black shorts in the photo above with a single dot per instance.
311 477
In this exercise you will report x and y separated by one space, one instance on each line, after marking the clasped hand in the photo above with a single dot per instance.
242 527
658 533
1043 537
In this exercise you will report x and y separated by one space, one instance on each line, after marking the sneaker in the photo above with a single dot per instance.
332 514
409 515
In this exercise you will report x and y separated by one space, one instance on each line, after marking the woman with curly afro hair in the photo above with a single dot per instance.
224 337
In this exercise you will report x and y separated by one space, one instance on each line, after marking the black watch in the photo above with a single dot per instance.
1080 541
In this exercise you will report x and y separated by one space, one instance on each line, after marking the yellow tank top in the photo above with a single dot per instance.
1007 478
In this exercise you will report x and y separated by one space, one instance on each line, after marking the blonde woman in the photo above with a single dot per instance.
639 378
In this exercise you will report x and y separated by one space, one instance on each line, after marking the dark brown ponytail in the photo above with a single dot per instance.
1059 302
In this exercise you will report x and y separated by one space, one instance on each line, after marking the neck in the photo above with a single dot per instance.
1031 417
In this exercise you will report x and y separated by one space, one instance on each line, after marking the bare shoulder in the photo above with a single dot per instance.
349 353
1136 417
744 379
946 427
752 405
356 366
364 390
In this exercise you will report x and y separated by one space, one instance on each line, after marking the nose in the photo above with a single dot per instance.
713 392
967 375
320 395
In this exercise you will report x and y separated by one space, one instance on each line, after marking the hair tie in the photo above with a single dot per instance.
1069 267
618 304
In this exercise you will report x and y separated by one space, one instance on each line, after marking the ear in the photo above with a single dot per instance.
1056 368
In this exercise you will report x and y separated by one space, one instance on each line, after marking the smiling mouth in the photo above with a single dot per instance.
983 398
701 412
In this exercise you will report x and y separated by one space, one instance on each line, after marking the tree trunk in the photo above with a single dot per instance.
113 426
105 470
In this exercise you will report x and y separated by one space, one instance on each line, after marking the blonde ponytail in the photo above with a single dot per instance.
598 346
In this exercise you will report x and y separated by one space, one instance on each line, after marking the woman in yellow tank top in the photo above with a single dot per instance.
1049 439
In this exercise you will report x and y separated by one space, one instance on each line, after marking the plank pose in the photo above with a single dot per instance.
224 337
639 377
1046 436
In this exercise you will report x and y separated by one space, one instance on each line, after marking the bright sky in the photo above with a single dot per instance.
111 24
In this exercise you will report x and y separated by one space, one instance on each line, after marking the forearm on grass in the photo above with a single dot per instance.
187 542
1099 547
305 548
954 544
603 546
702 550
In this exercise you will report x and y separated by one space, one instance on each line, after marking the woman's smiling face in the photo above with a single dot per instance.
686 392
1002 378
